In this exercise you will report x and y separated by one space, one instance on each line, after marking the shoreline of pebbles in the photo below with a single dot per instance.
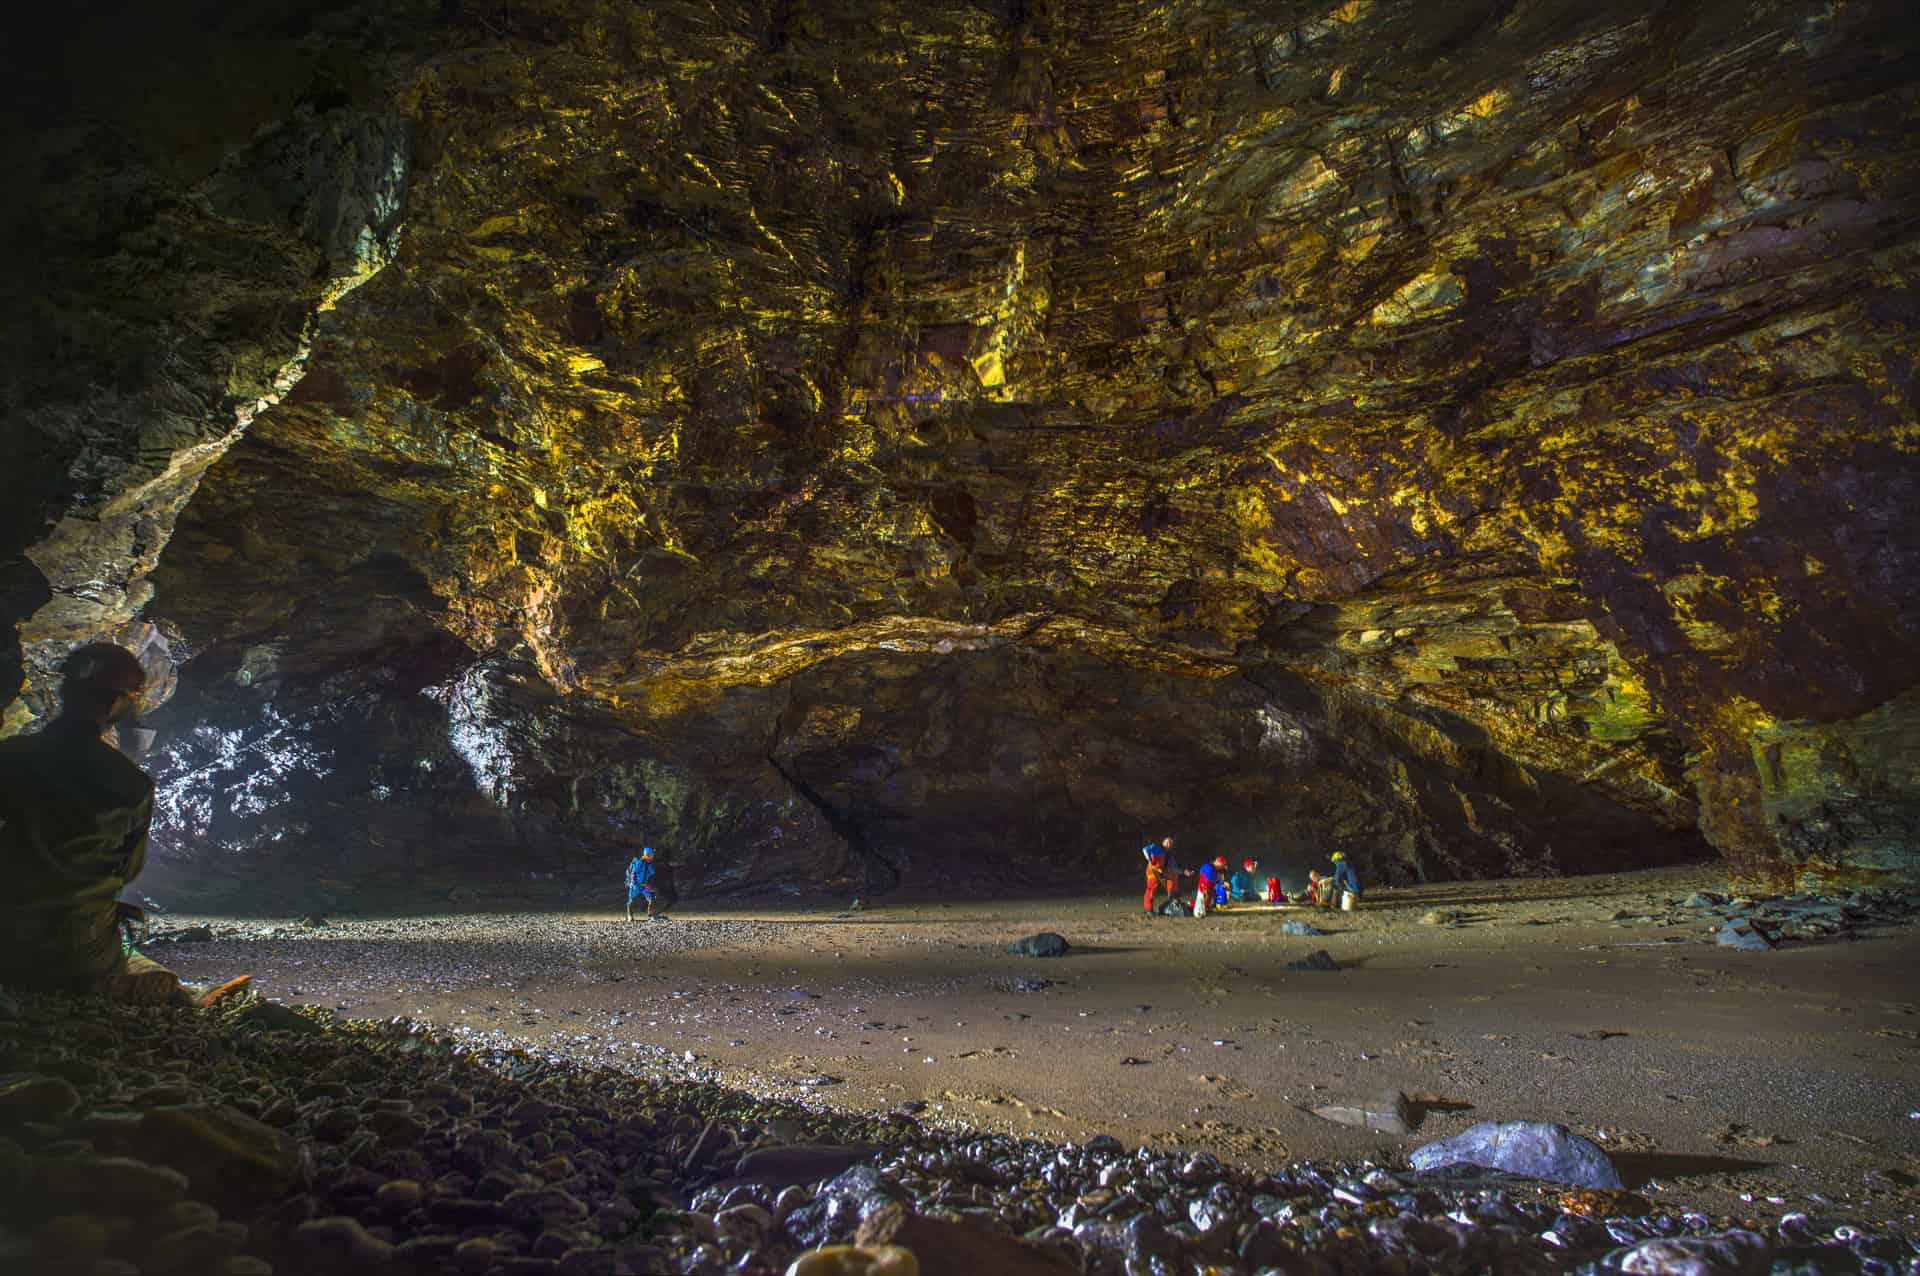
260 1139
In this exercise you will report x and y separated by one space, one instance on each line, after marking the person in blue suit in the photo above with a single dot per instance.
640 881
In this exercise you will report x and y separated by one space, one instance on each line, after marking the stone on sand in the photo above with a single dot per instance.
1744 936
1536 1149
1044 944
1388 1113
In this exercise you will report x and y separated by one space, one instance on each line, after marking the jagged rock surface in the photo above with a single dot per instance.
840 442
171 249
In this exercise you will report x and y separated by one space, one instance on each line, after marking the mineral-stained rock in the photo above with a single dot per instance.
839 449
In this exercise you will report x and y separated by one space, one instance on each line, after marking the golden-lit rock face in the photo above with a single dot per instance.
842 439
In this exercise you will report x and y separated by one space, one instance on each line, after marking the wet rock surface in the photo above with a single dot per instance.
1759 925
523 1163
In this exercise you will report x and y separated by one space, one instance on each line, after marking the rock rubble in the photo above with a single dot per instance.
173 1143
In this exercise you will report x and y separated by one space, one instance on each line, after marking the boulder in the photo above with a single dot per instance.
1535 1149
227 1156
1045 944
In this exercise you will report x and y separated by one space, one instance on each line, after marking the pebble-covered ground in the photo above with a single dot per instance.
594 1096
258 1139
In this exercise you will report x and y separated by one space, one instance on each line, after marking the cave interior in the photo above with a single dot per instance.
871 446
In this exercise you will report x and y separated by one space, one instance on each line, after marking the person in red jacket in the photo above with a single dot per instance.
1213 878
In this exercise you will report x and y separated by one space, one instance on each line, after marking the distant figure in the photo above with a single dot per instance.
1168 877
1319 889
1344 878
74 814
1222 883
640 873
1243 886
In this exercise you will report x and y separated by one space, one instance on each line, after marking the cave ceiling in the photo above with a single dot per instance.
854 442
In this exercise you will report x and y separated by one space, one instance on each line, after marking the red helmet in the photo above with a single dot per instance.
1252 864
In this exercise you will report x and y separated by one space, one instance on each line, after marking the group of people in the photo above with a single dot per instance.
1213 886
74 818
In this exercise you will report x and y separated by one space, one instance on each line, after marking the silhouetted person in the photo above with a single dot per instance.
74 813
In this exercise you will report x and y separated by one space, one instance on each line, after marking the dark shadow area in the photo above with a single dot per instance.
1638 1169
23 591
1419 1108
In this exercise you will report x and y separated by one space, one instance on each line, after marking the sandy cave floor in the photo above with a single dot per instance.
1737 1083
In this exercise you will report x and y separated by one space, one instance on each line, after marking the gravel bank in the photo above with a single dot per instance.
262 1139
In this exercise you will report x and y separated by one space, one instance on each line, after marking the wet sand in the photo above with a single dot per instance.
1738 1083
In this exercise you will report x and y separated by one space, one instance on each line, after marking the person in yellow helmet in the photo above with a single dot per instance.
1344 878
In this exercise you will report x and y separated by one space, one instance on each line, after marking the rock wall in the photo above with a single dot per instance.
857 442
189 190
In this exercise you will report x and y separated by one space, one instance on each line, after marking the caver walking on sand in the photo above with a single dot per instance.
640 880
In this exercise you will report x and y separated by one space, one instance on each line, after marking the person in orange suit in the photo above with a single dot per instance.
1157 879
